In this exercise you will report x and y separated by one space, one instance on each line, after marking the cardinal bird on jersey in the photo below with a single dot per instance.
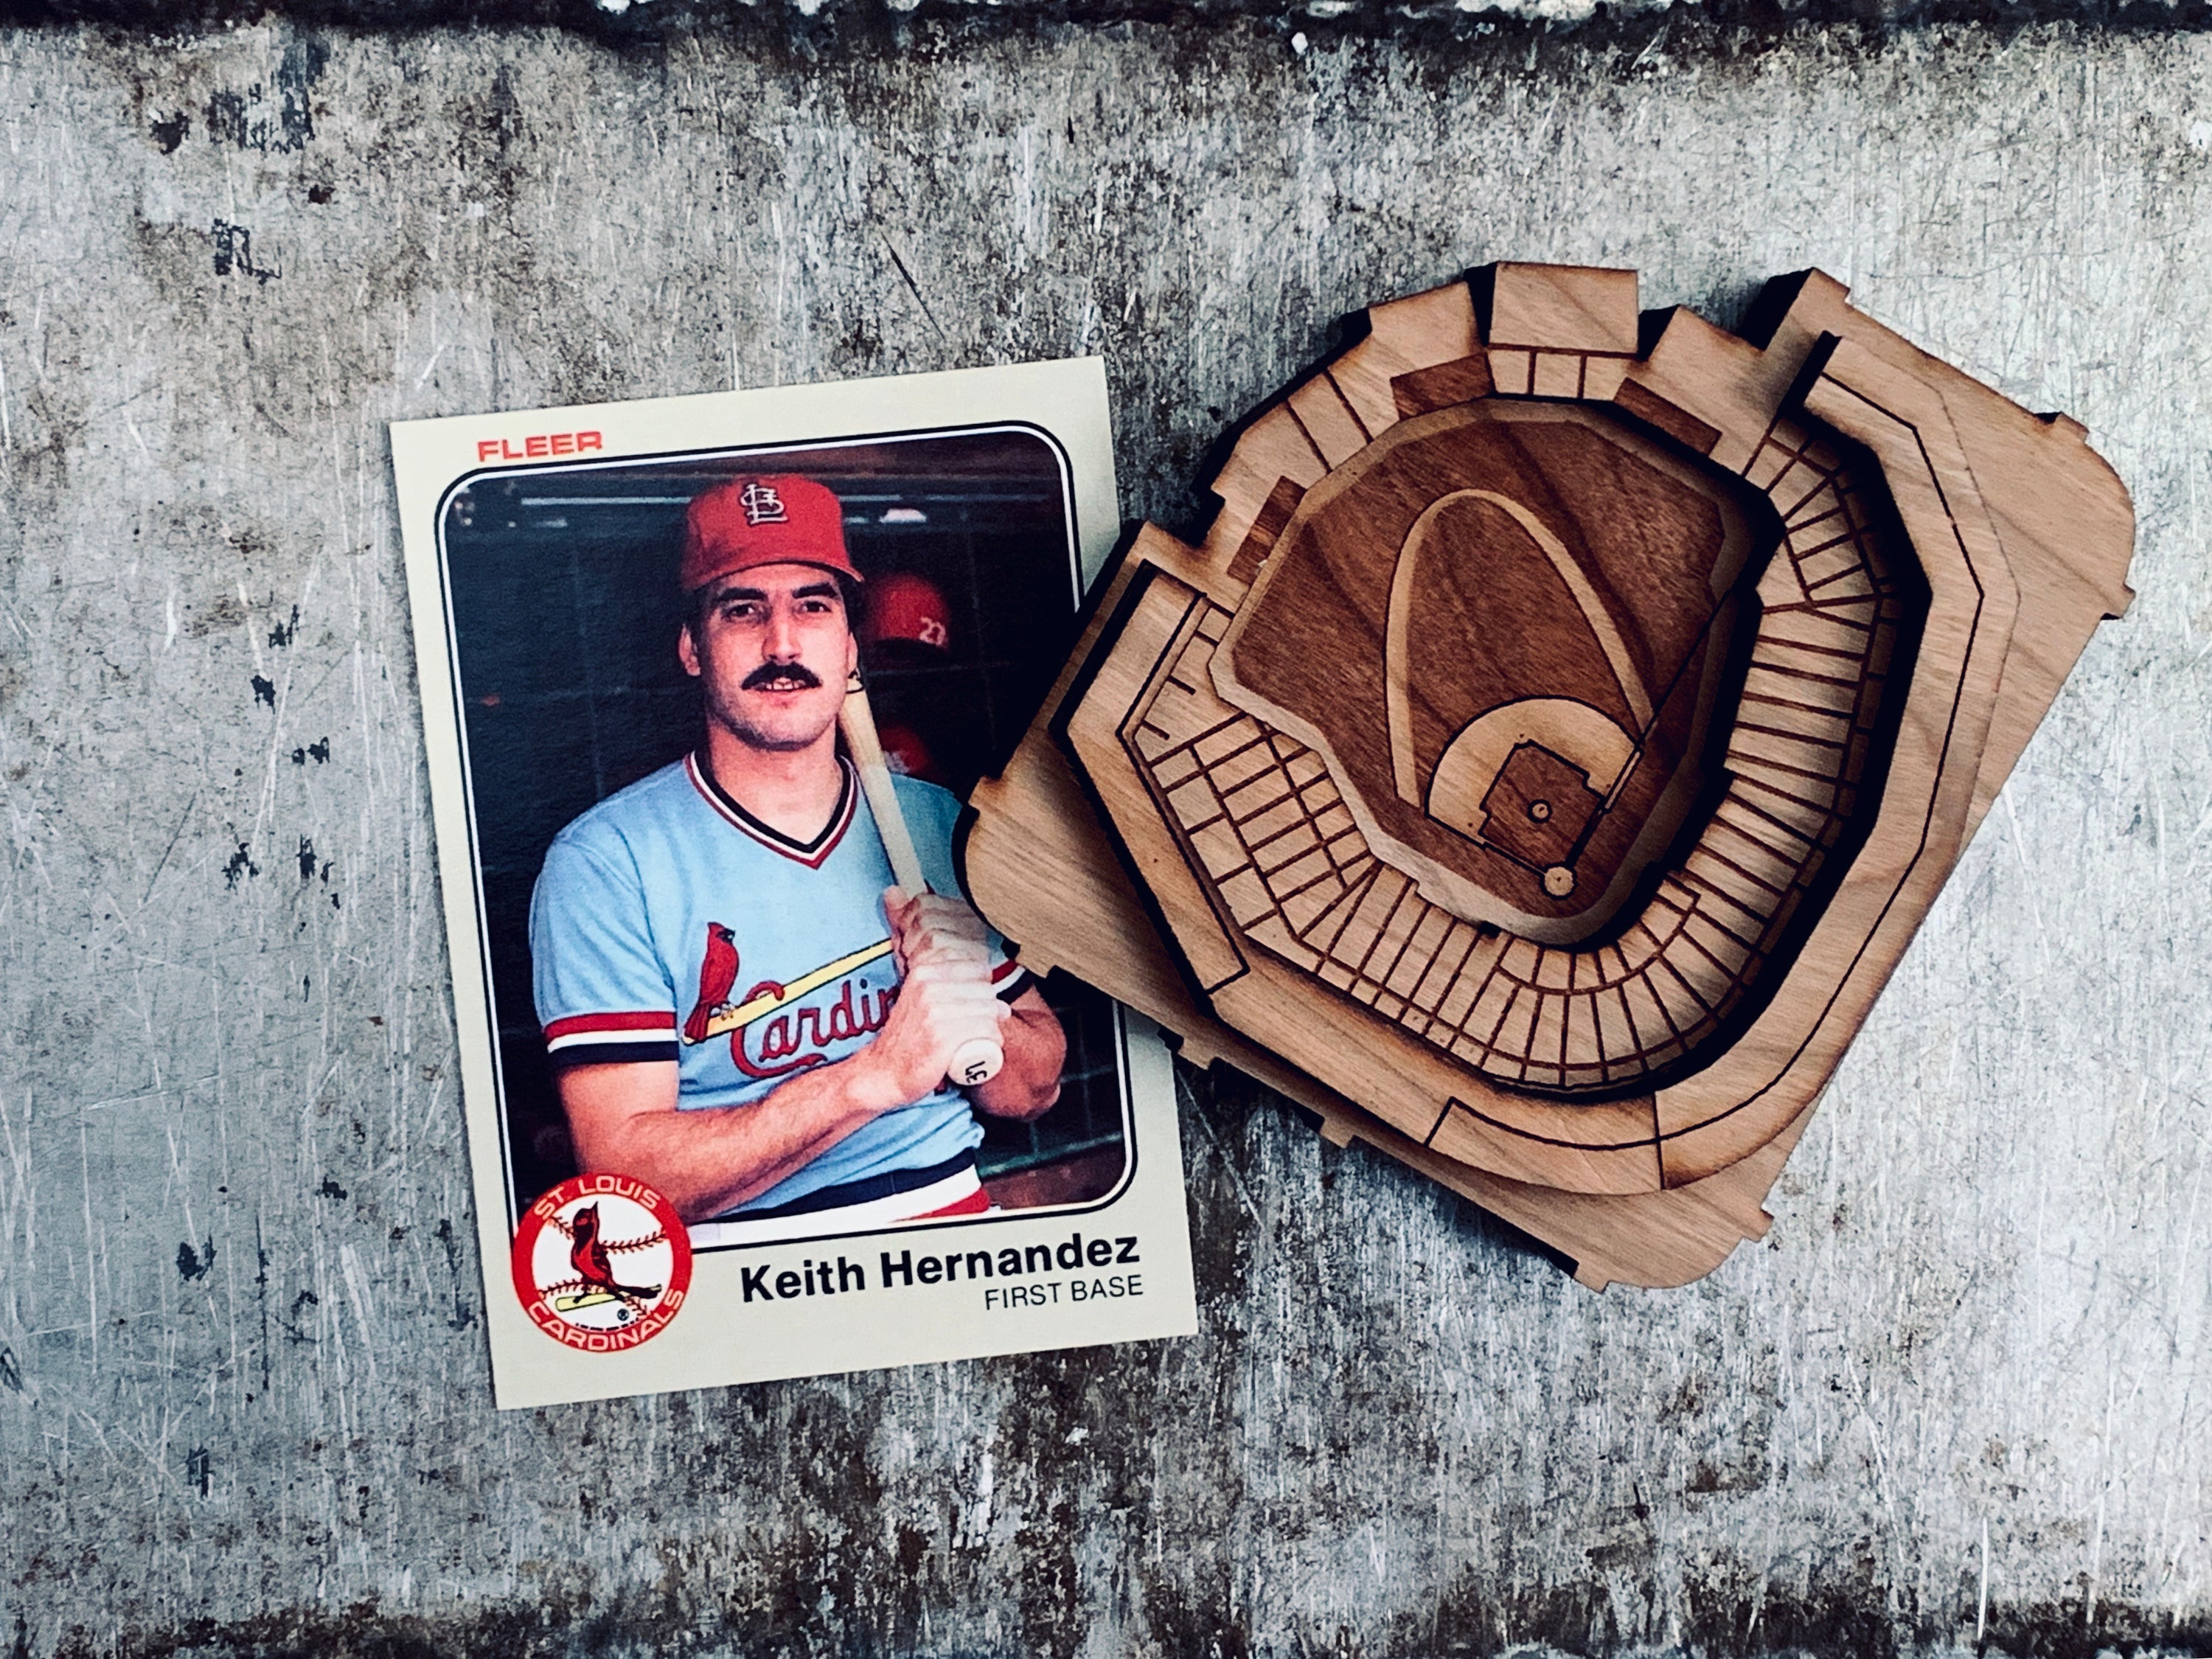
592 1263
716 974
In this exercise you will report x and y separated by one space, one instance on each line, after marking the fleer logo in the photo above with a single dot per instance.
762 504
537 445
602 1263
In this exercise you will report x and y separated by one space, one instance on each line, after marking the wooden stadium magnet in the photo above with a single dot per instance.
1564 725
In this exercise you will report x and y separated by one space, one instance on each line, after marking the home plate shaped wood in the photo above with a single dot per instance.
1552 746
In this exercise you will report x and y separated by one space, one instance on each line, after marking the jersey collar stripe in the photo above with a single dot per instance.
607 1027
809 853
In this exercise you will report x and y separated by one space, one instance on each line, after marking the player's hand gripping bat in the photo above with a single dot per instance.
978 1060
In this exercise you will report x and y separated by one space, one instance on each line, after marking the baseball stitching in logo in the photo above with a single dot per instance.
602 1263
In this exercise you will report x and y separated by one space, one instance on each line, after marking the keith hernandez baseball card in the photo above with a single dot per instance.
752 1091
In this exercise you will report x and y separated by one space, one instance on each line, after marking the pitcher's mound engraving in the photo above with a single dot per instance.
602 1263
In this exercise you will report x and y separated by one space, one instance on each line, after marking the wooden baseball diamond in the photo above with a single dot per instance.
1554 745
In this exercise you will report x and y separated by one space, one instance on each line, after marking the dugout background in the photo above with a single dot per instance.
564 615
1960 1401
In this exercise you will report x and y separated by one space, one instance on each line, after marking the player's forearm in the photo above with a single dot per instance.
1036 1049
707 1161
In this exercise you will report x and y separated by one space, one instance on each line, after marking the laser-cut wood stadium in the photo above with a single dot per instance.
1560 732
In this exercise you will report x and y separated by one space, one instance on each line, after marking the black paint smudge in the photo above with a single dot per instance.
199 1468
319 751
329 1188
239 864
261 1296
307 859
463 1315
233 250
9 1373
305 1299
191 1264
243 120
264 690
283 632
170 133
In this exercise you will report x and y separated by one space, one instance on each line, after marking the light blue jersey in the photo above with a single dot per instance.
670 924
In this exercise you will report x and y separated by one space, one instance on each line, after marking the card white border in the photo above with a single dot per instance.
718 1338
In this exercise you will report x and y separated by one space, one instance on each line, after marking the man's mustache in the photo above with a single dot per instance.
780 675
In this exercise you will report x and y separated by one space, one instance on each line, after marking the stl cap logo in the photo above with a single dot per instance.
602 1263
762 504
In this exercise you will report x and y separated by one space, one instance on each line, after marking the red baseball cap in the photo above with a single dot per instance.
906 607
778 518
905 751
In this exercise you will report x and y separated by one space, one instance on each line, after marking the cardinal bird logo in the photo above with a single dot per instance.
588 1253
717 974
567 1248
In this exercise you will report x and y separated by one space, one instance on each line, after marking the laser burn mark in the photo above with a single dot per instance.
193 1264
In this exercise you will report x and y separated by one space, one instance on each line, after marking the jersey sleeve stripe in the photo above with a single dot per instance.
1009 980
609 1028
611 1054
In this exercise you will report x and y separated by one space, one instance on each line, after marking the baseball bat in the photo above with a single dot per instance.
978 1060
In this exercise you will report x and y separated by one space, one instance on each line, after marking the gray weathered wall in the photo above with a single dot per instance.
1964 1391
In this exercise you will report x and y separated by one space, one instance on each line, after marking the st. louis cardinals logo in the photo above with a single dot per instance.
788 1033
762 504
602 1263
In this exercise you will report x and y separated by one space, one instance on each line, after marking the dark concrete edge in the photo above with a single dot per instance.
1688 28
1734 1612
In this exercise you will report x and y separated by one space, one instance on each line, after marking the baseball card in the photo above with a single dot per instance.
753 1089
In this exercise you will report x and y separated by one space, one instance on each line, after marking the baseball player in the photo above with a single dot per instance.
740 1009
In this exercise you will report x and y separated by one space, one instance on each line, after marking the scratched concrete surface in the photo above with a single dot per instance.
1962 1398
